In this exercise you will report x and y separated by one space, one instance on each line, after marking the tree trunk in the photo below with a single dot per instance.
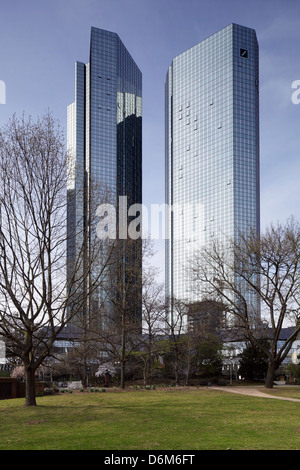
122 378
123 353
176 370
270 375
187 376
188 369
145 373
30 388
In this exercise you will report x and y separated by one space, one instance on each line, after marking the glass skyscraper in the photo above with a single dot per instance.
212 147
104 136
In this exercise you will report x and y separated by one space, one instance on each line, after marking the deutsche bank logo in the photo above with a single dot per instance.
2 92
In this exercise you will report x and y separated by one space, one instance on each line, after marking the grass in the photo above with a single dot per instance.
293 392
193 419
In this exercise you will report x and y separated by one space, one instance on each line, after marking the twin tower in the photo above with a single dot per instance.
211 140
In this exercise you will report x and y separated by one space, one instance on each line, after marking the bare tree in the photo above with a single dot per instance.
153 307
116 322
124 326
82 358
176 327
35 296
256 278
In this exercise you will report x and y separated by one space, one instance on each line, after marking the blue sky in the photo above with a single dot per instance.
40 41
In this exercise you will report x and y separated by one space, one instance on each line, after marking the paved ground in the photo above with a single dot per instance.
252 391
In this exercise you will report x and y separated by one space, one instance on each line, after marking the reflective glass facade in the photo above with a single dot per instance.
104 136
212 147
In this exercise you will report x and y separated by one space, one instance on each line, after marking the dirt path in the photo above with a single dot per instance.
251 391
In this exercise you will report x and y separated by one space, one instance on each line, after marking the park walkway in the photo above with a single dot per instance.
252 391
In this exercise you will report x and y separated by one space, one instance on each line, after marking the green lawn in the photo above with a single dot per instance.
151 420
